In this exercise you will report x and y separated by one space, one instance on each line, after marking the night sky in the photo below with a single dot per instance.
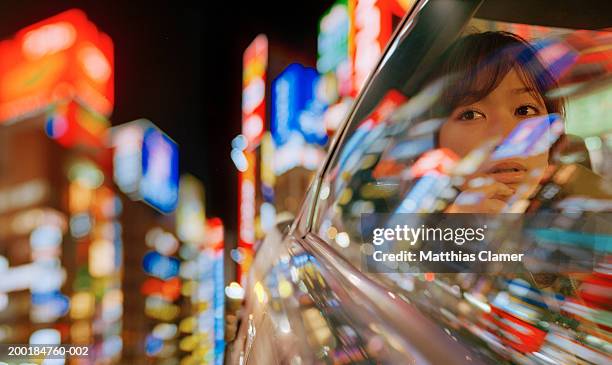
179 64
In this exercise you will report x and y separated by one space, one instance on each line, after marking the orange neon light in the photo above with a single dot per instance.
58 59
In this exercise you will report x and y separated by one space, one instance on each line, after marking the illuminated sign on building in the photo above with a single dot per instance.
159 183
59 59
210 297
215 235
372 24
268 178
294 108
215 244
246 213
333 45
246 195
190 212
219 305
255 62
72 124
145 163
160 266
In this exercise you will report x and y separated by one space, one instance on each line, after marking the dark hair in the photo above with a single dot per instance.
474 65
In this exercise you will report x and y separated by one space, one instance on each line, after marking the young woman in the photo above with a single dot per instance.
495 81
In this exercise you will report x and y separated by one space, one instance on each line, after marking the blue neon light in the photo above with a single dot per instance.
294 106
160 175
160 266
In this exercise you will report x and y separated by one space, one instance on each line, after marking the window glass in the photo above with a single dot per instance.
496 117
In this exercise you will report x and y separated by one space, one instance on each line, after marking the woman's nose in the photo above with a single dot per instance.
503 124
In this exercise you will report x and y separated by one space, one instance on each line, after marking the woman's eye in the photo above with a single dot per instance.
470 115
526 111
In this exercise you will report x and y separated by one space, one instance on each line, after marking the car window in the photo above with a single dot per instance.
470 114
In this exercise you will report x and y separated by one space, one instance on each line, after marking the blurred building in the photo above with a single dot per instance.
291 109
91 251
253 151
61 232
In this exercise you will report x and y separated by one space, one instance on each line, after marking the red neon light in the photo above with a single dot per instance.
215 233
386 106
95 75
391 101
371 29
83 127
387 168
58 59
169 289
48 39
246 202
255 61
515 332
440 160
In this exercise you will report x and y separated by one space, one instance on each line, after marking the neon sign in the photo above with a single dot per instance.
159 183
163 267
332 42
145 163
371 27
246 232
190 212
48 39
255 61
59 59
294 108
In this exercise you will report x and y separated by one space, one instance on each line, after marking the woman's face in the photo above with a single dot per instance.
493 118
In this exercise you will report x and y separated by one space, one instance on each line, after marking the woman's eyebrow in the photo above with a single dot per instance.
523 90
531 91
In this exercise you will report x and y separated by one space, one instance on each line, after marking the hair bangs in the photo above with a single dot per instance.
477 63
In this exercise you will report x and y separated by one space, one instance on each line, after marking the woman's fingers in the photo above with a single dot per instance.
486 206
495 190
493 205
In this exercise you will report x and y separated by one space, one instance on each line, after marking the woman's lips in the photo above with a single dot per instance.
508 172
